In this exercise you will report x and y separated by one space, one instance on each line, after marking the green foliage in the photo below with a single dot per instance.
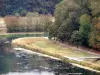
67 15
66 19
85 20
74 21
94 5
94 40
10 7
76 38
85 27
51 30
64 31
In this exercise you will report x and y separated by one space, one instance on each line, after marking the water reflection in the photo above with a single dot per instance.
4 66
21 63
38 65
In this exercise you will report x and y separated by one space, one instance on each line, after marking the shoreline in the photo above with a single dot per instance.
32 52
75 62
48 56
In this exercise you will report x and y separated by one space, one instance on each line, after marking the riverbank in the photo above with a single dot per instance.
52 48
23 34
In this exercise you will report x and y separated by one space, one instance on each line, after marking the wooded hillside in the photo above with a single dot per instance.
21 7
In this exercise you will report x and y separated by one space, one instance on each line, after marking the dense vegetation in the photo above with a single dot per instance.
77 22
32 22
21 7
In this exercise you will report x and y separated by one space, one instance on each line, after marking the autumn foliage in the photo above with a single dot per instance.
27 23
95 35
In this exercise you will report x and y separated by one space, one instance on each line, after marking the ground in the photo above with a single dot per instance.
61 50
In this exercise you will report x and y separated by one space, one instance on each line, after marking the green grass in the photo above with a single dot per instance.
56 48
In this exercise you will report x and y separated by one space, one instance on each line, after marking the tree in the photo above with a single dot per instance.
65 19
46 21
94 6
67 14
65 31
94 40
76 38
12 23
51 29
85 27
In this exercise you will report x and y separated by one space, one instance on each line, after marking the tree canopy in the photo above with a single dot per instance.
11 7
77 21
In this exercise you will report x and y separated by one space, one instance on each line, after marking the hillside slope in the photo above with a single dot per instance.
11 7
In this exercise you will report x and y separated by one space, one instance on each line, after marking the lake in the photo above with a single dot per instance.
17 62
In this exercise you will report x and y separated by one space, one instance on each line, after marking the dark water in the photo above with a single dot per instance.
19 63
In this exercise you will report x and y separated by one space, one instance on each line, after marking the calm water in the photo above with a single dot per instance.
21 63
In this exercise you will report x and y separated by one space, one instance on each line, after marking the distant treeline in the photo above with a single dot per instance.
22 7
29 23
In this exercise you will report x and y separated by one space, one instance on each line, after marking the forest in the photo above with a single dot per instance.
22 7
77 22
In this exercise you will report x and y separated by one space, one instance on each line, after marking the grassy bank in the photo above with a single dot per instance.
55 49
20 35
